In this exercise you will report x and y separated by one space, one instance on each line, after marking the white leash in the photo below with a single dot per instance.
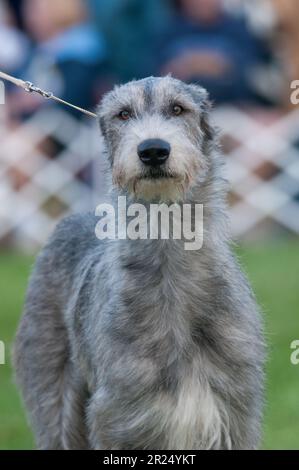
30 88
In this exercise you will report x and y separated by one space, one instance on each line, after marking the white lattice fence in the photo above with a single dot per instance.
51 188
262 165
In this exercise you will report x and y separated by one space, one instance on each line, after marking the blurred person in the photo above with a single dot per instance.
206 43
287 29
268 77
67 53
130 27
13 55
66 59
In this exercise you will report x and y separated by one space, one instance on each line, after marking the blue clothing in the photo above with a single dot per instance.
228 37
130 27
80 43
69 65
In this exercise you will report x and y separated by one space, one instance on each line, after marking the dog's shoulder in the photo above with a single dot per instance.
76 232
72 240
75 227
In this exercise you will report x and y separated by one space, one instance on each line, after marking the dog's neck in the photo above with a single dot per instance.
211 195
167 273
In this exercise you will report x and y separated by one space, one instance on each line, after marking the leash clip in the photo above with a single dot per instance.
30 88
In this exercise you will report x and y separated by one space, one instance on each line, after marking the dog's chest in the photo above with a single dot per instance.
157 318
193 417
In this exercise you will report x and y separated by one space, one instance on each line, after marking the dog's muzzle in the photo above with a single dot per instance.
153 152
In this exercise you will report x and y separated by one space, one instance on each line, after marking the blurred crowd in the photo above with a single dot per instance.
242 51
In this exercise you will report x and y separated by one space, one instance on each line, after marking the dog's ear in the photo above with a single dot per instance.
102 126
205 124
101 120
201 98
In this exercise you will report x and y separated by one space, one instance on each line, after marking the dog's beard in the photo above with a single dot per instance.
158 185
157 173
163 189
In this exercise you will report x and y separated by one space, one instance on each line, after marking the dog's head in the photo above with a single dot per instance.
158 137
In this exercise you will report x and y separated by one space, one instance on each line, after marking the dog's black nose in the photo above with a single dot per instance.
153 152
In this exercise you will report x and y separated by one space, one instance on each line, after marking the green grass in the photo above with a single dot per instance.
274 272
14 271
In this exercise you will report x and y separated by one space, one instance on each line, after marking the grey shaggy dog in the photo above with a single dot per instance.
141 344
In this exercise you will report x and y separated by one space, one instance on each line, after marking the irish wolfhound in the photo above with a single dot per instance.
141 344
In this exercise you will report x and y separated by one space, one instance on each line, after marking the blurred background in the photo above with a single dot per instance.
245 52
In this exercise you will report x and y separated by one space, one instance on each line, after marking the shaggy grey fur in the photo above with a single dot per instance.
140 344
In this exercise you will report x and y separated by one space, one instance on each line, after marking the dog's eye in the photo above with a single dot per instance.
124 115
177 109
